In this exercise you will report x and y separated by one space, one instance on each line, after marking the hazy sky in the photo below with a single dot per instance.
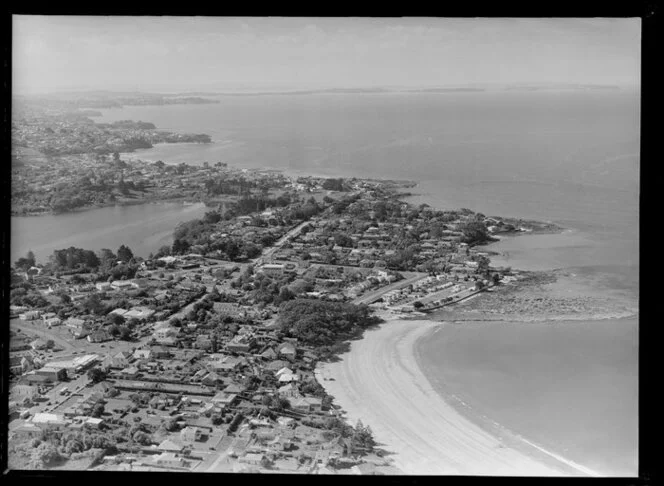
61 52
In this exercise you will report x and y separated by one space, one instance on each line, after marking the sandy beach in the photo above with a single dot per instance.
379 382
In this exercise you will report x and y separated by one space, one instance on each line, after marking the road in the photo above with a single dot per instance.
267 252
185 310
38 328
377 294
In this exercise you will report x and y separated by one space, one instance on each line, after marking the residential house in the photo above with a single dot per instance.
169 445
30 315
103 286
129 373
52 322
275 365
224 399
288 351
26 431
241 344
192 434
211 379
164 329
228 363
289 391
38 344
225 309
307 404
269 354
203 341
254 458
161 352
74 323
140 313
143 354
123 284
111 362
287 378
272 269
234 388
99 337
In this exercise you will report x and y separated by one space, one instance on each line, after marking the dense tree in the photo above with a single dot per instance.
98 410
475 232
94 304
333 184
125 254
74 257
24 263
362 438
322 323
107 258
124 333
46 454
96 375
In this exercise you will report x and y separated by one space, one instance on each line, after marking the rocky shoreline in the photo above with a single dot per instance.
543 296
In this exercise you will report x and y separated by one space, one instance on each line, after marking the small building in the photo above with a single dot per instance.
227 309
254 458
307 404
74 323
49 420
140 313
287 378
288 351
143 354
52 322
52 373
123 284
192 434
161 352
211 379
272 269
32 315
224 399
99 337
129 372
38 344
289 391
169 445
268 354
241 344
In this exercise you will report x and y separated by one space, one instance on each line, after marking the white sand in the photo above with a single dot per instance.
379 382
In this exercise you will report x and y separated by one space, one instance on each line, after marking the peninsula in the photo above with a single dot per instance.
206 355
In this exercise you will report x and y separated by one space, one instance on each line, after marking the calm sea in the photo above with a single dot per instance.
566 157
144 228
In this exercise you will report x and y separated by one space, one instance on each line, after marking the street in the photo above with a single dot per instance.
376 294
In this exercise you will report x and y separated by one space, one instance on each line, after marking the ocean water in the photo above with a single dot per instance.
567 157
568 387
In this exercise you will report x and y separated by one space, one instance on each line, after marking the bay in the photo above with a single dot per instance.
144 228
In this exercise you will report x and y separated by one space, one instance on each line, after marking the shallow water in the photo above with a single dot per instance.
569 387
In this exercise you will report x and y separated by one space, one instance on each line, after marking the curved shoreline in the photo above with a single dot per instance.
380 382
506 436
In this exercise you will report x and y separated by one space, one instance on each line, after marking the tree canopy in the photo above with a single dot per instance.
125 254
321 323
